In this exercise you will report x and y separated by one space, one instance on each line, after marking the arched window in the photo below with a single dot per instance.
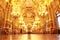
58 19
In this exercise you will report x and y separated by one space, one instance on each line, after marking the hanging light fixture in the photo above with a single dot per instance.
42 6
15 8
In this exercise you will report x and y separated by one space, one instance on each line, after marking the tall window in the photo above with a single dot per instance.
58 19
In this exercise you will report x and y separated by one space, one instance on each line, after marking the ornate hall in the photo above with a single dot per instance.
29 16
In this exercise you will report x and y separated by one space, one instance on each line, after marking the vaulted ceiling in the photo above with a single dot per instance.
29 11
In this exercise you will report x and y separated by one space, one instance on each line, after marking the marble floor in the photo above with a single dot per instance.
30 37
